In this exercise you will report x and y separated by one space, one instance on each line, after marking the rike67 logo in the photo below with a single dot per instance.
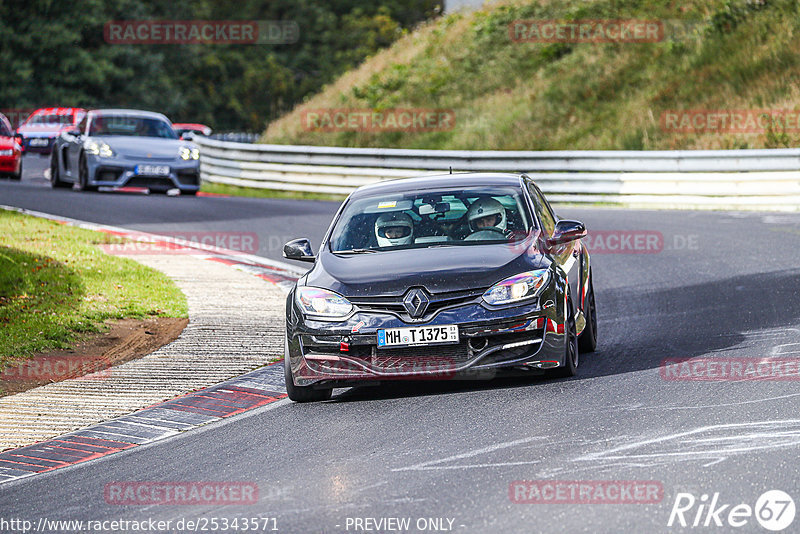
774 510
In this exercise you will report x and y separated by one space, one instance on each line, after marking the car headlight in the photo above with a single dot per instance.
323 303
517 288
8 152
189 153
98 149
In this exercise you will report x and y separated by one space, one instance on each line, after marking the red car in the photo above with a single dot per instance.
190 127
43 126
10 151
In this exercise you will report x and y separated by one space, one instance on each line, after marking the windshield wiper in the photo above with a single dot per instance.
357 251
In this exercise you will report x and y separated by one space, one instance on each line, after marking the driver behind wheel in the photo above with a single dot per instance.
487 214
394 229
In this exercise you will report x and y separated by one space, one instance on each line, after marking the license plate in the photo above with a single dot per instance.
152 170
421 335
41 141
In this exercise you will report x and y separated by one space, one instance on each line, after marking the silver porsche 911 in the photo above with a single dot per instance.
125 148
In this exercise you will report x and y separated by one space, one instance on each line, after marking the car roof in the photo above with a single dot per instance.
137 112
57 111
440 181
190 125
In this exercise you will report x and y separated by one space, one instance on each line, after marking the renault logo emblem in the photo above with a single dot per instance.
416 302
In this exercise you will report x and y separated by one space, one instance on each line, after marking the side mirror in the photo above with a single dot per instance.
187 136
300 250
567 231
72 131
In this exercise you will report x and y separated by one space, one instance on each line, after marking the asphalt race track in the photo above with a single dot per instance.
721 285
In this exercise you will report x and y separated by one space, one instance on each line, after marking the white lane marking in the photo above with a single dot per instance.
777 349
745 437
470 454
468 466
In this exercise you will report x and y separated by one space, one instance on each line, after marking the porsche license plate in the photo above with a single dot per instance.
152 170
421 335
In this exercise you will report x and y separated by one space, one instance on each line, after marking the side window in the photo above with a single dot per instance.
543 209
82 124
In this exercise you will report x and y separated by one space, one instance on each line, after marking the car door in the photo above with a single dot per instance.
567 256
72 149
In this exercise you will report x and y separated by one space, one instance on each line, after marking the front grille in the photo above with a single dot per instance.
441 358
438 301
151 182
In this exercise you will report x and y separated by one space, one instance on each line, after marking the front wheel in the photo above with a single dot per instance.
83 175
587 341
301 393
571 355
55 174
17 175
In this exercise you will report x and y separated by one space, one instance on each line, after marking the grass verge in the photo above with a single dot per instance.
56 286
714 55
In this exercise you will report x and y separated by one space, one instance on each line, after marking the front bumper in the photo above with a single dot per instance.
10 164
341 354
120 172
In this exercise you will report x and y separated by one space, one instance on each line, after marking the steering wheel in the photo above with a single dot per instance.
488 233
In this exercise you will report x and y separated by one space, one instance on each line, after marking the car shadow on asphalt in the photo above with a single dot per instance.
640 327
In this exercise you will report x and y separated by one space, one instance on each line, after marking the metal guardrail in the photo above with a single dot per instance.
763 179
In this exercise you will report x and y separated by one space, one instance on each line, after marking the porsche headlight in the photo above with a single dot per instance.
517 288
323 303
98 149
187 153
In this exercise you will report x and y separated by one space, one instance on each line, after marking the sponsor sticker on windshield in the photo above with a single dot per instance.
387 204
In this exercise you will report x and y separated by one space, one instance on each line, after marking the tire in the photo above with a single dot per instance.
17 175
188 193
83 175
587 341
571 354
55 173
301 393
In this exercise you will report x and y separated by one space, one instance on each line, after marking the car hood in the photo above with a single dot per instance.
41 130
143 147
437 269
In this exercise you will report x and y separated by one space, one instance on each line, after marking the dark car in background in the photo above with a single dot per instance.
439 277
125 148
40 129
10 151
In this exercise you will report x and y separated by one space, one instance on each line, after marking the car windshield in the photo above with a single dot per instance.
51 118
131 125
421 219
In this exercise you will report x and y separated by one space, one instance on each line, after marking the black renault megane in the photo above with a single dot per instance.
439 277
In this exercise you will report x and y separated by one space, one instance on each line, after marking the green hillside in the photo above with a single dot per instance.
509 95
